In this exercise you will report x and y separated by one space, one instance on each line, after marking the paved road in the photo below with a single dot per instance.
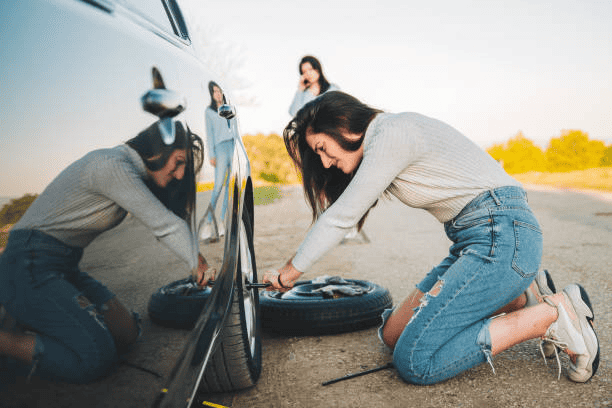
405 243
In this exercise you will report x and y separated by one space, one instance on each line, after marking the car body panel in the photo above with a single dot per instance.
73 74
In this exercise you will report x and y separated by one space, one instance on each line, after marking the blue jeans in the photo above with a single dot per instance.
42 287
495 255
225 153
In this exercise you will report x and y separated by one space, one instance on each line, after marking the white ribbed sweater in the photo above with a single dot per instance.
423 162
95 193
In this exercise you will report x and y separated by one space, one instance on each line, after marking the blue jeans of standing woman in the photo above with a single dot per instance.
42 287
224 152
495 255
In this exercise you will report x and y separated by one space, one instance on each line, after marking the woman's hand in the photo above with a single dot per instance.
205 272
303 84
283 279
213 162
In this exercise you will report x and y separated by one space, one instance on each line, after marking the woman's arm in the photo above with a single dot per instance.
120 182
387 151
210 134
298 102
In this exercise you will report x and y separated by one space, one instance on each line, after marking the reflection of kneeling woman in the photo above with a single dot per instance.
220 134
77 326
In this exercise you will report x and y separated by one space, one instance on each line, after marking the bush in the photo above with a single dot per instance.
270 162
13 211
571 151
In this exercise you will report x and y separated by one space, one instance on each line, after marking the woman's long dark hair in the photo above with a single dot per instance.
211 90
179 196
316 65
331 113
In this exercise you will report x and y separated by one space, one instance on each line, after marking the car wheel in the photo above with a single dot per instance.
306 311
236 364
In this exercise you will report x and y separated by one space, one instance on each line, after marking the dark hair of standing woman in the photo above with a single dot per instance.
316 65
330 113
180 195
211 90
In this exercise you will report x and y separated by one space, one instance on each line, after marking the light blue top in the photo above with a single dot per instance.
423 162
218 131
95 193
301 98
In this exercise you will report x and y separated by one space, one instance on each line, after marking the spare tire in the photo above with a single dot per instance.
305 311
178 304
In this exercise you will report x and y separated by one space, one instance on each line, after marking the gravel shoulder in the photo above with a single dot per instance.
404 244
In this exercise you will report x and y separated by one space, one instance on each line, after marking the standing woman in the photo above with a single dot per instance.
350 155
312 83
75 326
220 135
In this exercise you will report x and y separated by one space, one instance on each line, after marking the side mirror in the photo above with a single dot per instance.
226 111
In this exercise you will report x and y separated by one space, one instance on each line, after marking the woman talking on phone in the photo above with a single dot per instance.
312 83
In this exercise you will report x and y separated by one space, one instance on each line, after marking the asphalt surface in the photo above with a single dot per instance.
405 244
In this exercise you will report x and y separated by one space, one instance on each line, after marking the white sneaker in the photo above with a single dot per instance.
542 285
221 230
573 333
206 232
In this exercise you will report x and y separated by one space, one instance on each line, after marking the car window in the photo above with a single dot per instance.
152 10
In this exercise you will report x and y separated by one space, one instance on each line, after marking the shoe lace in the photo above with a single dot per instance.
557 344
551 338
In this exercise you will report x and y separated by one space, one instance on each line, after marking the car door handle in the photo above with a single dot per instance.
164 104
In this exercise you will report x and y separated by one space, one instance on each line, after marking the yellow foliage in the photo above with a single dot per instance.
572 151
518 155
270 162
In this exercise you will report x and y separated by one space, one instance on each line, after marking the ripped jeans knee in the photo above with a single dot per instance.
395 321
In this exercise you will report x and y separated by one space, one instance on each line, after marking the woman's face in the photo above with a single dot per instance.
332 154
311 74
174 169
218 95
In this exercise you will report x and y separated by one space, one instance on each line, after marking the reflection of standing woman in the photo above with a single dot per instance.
312 83
220 143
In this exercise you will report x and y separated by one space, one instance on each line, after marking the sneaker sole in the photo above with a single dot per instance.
588 331
549 282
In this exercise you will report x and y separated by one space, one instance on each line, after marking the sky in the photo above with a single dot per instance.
490 68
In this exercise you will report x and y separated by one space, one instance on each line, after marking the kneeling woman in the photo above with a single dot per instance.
76 326
350 155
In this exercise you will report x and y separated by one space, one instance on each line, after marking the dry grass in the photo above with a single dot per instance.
599 178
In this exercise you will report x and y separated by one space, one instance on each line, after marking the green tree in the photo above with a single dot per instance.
574 151
12 212
518 155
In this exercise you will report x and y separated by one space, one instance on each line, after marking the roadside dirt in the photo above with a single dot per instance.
404 245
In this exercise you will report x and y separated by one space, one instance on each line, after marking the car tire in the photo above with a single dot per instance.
236 363
178 304
302 311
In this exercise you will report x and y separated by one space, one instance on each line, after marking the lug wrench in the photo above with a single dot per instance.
349 376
